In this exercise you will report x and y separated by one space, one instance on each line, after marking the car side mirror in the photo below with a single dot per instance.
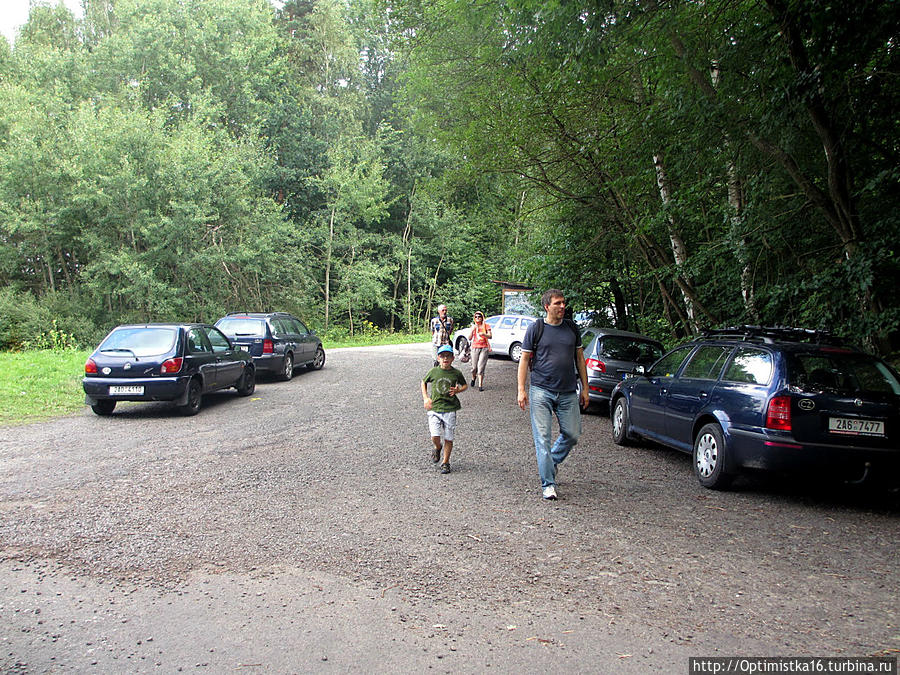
639 370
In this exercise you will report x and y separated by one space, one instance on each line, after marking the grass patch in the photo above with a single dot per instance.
380 339
38 385
41 384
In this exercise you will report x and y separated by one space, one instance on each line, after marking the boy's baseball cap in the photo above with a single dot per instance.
444 349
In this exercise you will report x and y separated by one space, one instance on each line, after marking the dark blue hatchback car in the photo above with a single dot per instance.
765 398
164 362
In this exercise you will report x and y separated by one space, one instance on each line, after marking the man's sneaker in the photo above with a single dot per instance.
435 455
549 492
445 468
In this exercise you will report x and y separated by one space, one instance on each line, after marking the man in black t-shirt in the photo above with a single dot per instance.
555 353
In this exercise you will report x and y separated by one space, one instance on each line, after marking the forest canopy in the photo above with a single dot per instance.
674 165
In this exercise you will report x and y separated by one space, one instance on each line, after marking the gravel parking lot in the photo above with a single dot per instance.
305 529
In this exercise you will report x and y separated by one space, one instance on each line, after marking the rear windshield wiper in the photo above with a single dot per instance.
119 349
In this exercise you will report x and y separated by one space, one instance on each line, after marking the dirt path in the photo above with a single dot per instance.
305 528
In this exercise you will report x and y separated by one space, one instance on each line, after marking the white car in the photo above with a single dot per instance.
508 331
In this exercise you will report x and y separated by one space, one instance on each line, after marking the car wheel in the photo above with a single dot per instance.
709 458
319 361
247 384
620 422
515 351
461 344
287 369
192 407
104 407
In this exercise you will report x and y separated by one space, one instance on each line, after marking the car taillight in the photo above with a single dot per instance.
594 364
778 415
268 347
170 366
90 368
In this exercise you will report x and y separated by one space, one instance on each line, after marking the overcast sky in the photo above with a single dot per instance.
14 13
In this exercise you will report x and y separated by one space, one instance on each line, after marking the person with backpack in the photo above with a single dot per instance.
441 330
552 352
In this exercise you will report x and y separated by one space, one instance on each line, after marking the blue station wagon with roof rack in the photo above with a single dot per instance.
277 341
765 398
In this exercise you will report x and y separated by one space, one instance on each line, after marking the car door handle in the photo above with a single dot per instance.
703 394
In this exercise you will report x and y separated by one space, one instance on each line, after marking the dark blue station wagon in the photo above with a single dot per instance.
757 398
277 341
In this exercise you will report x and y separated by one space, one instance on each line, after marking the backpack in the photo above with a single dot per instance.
539 331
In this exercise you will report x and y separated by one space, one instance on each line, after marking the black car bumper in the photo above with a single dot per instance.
600 388
782 453
269 363
152 389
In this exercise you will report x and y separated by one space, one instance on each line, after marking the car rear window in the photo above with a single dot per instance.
630 349
750 366
244 327
140 341
840 372
587 336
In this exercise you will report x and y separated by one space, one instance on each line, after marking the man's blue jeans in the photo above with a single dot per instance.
543 405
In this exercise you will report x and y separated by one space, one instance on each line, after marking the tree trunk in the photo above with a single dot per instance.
623 320
736 215
679 250
407 236
328 249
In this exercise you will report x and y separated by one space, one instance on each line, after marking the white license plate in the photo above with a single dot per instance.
125 391
855 427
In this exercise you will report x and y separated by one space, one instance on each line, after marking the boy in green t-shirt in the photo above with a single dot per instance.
446 382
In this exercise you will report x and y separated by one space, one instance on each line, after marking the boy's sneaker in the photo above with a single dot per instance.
549 492
435 455
445 468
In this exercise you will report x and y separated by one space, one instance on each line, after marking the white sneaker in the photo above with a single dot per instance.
549 492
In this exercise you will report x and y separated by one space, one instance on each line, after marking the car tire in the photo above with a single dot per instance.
710 458
619 416
194 398
515 351
319 361
103 407
287 368
247 384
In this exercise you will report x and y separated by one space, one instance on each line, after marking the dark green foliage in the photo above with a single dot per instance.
675 165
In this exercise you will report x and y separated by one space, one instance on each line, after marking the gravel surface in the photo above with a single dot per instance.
305 528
